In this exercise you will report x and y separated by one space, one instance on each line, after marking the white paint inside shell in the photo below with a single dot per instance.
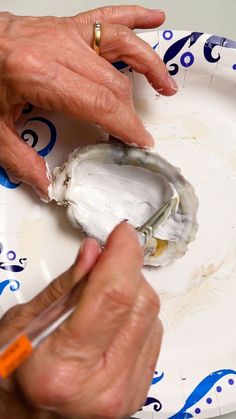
102 195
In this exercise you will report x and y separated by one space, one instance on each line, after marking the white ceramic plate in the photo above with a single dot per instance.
195 130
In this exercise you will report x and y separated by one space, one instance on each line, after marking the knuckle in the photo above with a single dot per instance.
60 285
144 51
138 9
11 63
150 302
7 15
19 169
121 34
153 303
105 101
17 174
56 392
119 299
13 314
14 320
14 65
32 60
53 292
125 86
104 13
112 404
53 391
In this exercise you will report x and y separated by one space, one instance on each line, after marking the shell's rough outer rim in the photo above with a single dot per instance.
120 154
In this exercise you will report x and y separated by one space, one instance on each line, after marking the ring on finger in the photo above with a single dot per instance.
97 32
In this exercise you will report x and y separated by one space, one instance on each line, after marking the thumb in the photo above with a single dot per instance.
21 161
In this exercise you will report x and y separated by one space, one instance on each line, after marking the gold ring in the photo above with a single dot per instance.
97 32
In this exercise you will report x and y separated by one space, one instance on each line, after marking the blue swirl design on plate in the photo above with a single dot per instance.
14 285
200 391
11 265
187 58
157 406
176 47
214 41
157 378
152 400
120 65
31 137
5 181
53 135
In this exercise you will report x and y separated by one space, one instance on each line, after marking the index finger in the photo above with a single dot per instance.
111 291
64 90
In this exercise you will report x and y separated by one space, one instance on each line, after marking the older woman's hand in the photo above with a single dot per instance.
49 62
100 362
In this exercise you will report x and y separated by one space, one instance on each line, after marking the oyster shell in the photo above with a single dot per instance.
104 184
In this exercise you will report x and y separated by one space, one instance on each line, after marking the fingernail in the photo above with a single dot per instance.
156 10
13 178
130 230
150 140
81 250
44 197
86 247
172 83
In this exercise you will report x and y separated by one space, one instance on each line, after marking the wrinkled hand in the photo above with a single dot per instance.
100 362
49 62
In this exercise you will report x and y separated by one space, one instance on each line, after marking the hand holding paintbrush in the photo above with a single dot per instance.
110 342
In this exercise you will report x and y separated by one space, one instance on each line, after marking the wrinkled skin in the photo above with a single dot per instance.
49 62
100 362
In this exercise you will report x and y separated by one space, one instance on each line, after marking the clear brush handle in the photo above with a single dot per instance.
51 318
20 347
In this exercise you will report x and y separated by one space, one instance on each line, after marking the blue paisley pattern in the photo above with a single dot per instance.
197 395
157 378
155 402
187 58
31 137
212 42
9 263
200 391
175 48
188 41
